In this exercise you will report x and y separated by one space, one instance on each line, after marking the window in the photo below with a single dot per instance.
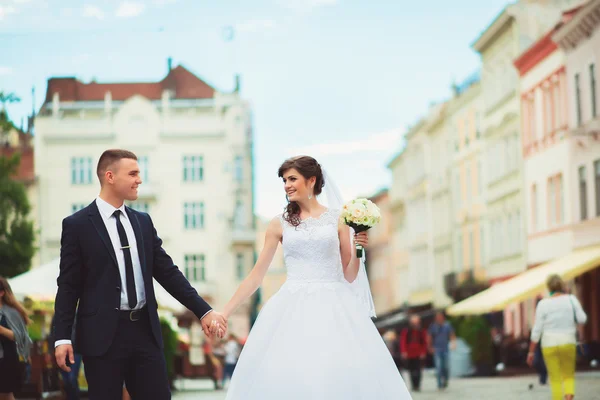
142 206
81 170
556 106
459 252
467 183
76 207
477 125
471 249
195 269
578 99
239 262
548 110
555 200
535 217
143 163
597 182
583 193
239 168
481 247
593 89
193 215
479 178
551 203
193 168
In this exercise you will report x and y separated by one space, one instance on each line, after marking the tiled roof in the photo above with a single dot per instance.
182 83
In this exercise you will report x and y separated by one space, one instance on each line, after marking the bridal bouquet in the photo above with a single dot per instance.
361 215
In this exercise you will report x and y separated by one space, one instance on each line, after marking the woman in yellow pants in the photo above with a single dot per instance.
556 320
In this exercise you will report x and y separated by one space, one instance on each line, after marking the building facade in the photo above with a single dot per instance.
379 264
194 148
469 225
579 39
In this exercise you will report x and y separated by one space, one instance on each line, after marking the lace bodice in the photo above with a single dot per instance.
312 249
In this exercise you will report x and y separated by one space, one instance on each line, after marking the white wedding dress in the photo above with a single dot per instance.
314 340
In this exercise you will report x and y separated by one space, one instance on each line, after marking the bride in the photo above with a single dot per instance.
313 339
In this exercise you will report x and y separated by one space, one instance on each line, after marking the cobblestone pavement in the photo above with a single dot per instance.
587 388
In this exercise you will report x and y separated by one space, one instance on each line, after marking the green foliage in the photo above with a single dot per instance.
17 235
170 347
476 331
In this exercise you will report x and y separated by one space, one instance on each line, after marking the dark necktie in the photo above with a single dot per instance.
129 280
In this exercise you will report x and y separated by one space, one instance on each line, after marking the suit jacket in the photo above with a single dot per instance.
89 280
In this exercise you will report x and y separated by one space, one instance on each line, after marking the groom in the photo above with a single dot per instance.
109 256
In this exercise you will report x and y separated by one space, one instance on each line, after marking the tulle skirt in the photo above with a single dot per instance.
314 341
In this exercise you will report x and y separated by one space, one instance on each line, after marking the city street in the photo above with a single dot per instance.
588 387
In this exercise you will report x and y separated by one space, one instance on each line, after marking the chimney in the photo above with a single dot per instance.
108 102
169 64
55 104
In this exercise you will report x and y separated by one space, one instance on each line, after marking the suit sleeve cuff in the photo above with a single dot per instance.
59 342
205 314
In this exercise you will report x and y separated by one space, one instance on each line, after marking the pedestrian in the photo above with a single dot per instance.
232 353
15 343
413 348
441 338
556 322
70 378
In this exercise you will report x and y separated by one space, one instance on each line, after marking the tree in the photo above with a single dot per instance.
16 231
5 123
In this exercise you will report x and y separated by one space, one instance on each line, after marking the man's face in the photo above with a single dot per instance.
125 178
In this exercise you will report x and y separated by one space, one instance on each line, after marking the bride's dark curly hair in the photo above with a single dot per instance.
307 167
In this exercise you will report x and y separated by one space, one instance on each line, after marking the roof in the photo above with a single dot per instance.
25 172
543 47
495 27
182 83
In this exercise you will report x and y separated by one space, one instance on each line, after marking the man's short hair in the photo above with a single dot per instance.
109 157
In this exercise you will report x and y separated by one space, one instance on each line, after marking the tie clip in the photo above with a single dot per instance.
125 247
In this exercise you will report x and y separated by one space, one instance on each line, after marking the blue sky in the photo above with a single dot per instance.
336 79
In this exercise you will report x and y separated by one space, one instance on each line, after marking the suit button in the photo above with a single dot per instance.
118 287
116 308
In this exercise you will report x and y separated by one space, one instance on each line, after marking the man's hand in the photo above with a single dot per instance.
62 353
453 345
404 356
214 323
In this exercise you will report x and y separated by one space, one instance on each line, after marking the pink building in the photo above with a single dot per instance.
580 40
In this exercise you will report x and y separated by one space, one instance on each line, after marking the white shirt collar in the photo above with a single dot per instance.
107 210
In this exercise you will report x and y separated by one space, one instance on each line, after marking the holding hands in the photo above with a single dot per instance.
214 323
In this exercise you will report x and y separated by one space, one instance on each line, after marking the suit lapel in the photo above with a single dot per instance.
96 218
139 238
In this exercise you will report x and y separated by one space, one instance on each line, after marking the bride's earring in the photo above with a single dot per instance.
310 196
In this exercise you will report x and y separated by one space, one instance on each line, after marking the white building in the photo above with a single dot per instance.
194 146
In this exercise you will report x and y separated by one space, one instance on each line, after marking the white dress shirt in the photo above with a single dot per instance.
110 221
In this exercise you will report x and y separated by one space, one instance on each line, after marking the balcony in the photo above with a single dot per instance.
243 236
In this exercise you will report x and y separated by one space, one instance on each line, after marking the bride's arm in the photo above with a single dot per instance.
349 261
256 276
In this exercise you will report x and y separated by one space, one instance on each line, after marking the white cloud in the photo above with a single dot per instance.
129 9
5 70
93 12
163 2
6 11
305 6
378 142
256 25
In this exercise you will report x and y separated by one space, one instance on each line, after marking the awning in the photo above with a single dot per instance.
39 284
528 284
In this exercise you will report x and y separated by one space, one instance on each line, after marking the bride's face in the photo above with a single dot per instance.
296 186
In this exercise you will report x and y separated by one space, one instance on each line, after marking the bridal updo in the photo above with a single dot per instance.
307 167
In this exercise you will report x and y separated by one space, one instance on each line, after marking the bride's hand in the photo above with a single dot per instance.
361 238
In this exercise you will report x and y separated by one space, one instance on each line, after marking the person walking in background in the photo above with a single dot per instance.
413 348
232 353
556 321
15 343
441 336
